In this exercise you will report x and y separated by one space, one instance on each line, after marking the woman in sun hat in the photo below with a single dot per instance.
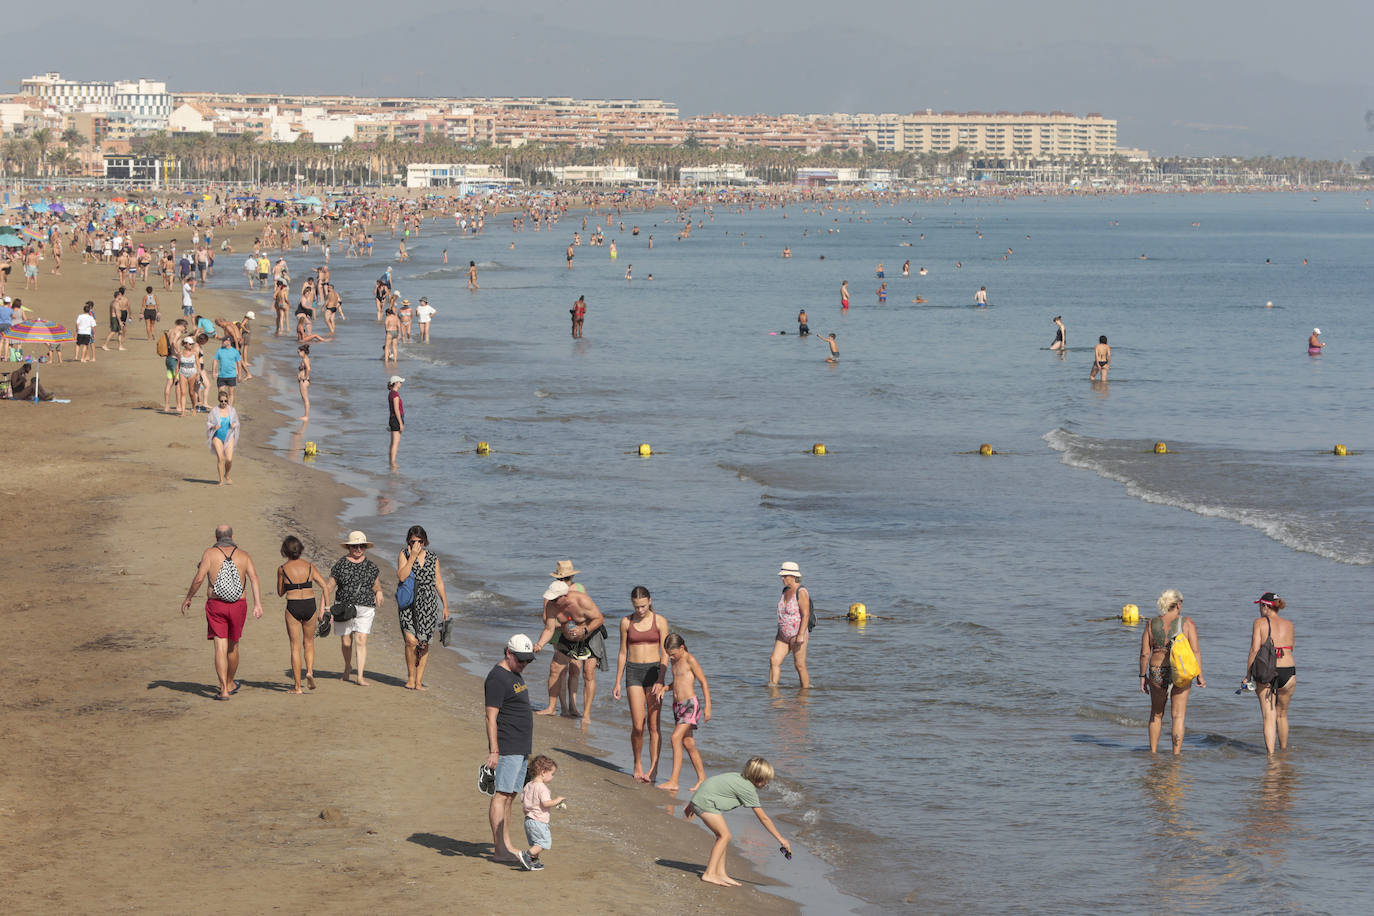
351 579
1276 693
396 414
794 617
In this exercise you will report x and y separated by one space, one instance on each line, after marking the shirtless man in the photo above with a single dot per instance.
834 356
571 622
119 319
228 570
1102 359
980 298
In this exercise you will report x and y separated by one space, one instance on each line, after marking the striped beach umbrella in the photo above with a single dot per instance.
31 234
37 330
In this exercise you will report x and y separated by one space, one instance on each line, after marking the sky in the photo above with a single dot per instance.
1203 77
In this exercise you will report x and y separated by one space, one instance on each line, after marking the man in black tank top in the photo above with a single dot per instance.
229 570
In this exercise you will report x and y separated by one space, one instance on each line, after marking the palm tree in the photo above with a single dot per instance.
41 138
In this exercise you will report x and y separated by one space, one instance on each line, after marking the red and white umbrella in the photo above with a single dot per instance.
37 330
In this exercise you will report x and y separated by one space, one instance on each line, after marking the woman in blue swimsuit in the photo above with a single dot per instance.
222 434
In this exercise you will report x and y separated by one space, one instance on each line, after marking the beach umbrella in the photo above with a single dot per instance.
119 200
149 218
10 240
29 233
36 330
57 208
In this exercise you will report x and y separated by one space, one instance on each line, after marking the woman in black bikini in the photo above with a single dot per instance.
1275 695
643 666
1156 676
296 579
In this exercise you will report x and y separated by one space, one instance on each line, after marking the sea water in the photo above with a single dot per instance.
979 744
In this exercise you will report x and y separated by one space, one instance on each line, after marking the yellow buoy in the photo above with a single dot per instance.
985 449
818 448
644 450
1130 614
311 449
857 611
1161 448
484 448
1339 450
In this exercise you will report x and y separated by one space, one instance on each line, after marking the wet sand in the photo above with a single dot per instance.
128 788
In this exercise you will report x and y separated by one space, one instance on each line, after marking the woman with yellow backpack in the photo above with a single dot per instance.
1170 661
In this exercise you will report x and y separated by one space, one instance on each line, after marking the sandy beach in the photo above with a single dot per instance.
128 789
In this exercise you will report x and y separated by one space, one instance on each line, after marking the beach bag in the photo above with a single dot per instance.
164 347
1265 667
341 612
405 592
228 585
1181 658
810 618
445 631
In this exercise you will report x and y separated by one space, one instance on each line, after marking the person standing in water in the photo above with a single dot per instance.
472 275
1314 343
834 356
579 314
844 296
1061 335
803 328
980 298
1102 359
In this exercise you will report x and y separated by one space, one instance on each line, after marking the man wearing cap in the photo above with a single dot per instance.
510 739
228 568
573 623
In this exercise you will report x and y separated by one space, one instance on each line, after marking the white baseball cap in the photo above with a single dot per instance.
520 645
395 380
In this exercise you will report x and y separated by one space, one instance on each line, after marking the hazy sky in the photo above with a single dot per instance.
1197 77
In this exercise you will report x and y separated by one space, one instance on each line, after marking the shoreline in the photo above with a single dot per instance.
369 796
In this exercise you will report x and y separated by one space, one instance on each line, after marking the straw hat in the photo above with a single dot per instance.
564 570
356 539
790 569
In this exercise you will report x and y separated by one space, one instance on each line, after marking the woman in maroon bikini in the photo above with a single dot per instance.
642 665
1275 695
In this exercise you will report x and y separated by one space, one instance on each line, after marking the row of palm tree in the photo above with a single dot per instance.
204 156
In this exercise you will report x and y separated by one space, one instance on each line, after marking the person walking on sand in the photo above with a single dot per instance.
573 624
1271 631
726 792
222 434
1156 673
227 568
119 319
510 740
1061 334
296 581
538 801
420 618
396 415
688 711
351 578
1102 359
794 625
643 663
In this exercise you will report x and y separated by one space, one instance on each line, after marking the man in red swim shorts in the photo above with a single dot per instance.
229 570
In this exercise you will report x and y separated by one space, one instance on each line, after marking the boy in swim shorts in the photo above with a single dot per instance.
688 711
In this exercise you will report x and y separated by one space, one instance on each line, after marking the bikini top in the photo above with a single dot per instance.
644 636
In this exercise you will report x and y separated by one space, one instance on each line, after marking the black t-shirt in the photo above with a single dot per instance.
514 719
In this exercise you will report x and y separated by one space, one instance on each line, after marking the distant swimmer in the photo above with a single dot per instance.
919 299
906 269
834 356
879 271
922 272
803 328
1061 336
1102 359
786 252
570 257
882 292
980 298
1314 344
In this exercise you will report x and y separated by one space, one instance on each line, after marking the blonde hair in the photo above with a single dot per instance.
758 771
1167 599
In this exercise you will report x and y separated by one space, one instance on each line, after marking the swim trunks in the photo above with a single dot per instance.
224 619
687 712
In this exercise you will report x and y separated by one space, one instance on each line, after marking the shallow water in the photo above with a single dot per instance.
981 746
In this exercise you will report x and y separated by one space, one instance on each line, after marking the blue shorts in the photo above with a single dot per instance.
537 833
510 773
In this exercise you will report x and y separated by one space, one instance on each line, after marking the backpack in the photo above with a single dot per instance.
1181 658
811 617
164 345
228 583
1265 667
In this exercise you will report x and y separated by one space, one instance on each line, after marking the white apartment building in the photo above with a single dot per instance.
1030 134
143 104
598 174
725 173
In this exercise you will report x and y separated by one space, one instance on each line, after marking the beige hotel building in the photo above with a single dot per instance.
1030 134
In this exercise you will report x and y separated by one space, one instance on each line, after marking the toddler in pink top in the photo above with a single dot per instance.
538 801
